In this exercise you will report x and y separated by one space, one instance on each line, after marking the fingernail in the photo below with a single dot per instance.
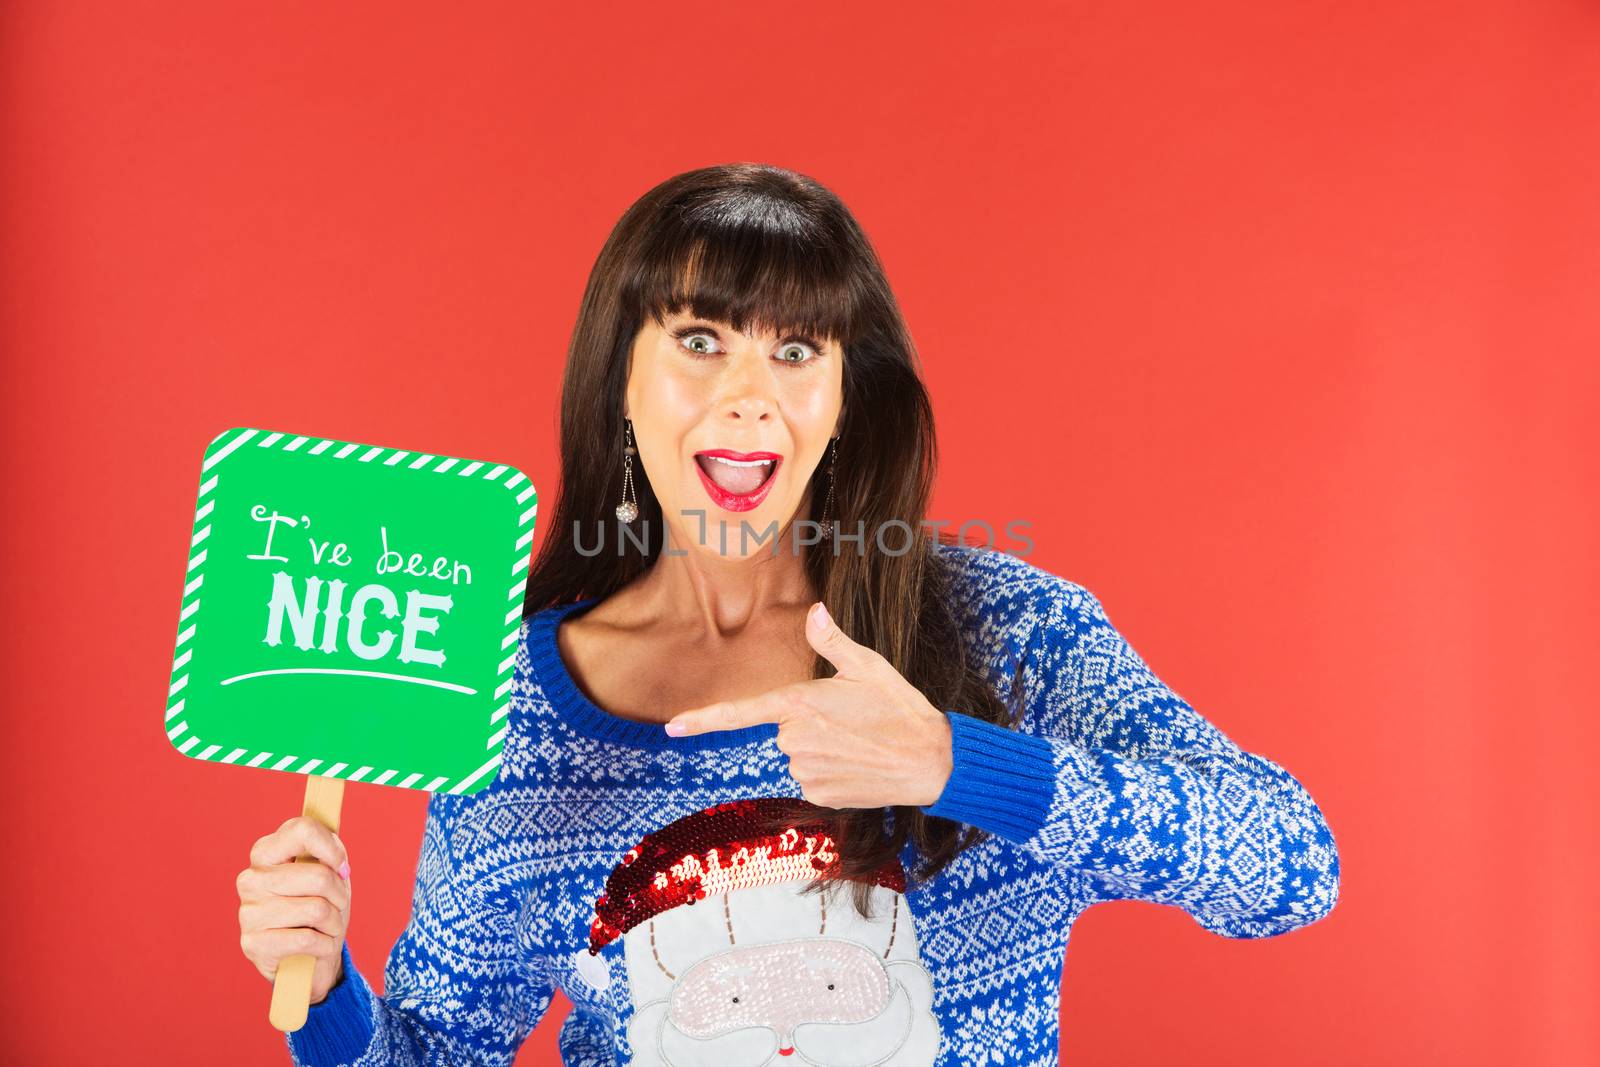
344 869
819 614
676 729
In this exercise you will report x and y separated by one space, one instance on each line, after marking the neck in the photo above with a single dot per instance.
694 586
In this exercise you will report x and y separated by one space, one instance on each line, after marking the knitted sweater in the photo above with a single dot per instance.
578 867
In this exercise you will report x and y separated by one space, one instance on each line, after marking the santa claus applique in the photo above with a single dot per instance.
730 965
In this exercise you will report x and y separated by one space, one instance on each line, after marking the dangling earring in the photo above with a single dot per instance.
628 510
827 505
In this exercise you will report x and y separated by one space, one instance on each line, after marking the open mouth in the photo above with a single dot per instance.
737 481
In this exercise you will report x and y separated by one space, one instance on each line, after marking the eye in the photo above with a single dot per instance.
794 352
698 343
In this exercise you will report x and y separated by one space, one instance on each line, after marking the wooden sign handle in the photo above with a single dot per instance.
291 985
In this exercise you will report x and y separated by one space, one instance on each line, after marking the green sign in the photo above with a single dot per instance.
351 611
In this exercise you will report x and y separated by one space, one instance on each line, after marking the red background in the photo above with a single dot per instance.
1277 322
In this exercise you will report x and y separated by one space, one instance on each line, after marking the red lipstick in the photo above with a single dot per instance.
726 499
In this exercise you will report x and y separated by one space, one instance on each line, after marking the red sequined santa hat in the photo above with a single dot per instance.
717 850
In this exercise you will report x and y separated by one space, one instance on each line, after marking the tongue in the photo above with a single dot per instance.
738 480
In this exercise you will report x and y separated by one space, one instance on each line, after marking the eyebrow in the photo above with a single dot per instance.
701 326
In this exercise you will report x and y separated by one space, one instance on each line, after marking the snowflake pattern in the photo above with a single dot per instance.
1111 787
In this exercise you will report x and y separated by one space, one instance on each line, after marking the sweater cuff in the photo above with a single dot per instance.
339 1028
1002 780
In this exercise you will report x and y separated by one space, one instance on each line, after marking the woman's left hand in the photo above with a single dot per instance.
865 738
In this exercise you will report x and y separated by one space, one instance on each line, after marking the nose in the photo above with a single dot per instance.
747 396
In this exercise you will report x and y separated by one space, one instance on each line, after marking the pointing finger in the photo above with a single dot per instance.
772 706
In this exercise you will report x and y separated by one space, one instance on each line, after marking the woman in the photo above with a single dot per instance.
786 776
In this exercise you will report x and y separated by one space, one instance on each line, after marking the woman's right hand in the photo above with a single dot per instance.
290 909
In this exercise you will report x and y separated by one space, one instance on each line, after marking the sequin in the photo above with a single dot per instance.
780 986
717 850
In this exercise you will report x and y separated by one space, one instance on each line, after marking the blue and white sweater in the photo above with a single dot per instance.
1112 787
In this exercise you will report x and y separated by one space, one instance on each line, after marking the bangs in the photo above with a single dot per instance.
754 263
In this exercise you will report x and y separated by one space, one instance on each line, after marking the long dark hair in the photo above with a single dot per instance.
751 244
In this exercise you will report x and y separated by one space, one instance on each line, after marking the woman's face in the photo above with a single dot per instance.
730 427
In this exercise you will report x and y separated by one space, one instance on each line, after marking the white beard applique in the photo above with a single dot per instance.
729 964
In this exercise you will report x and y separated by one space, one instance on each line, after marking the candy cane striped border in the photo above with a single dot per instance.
188 617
